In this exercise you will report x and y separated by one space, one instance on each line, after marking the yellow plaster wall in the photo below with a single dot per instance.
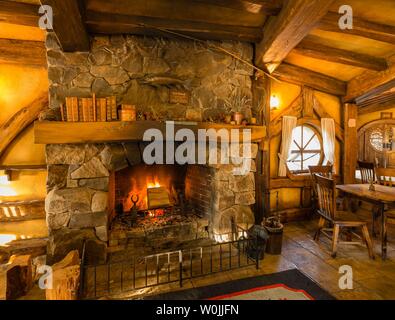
287 93
369 117
19 86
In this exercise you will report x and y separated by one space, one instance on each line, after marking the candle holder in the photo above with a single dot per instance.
371 185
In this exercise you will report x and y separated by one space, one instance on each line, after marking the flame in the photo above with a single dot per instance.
153 184
135 181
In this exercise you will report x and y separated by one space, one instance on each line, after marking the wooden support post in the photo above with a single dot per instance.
258 96
350 142
261 96
265 88
308 102
266 150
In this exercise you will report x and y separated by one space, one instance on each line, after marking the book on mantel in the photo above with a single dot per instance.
89 109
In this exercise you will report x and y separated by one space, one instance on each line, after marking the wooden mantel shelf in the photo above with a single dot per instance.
53 132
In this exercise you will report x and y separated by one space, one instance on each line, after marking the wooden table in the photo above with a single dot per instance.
383 196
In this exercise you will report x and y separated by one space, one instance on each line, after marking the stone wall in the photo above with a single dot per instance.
141 70
77 204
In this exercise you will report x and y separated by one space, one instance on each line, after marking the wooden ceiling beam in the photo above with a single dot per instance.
376 107
268 7
370 83
19 13
68 24
300 76
178 10
284 32
319 51
361 27
117 24
24 52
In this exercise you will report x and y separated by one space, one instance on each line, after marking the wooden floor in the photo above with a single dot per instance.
373 279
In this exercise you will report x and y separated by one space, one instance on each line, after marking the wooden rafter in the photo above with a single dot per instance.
178 10
319 51
283 33
378 106
361 27
19 13
318 81
20 120
370 84
268 7
23 52
68 24
108 23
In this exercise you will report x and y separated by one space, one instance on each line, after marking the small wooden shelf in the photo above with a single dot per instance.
53 132
27 167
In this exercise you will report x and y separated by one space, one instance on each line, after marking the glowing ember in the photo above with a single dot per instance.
151 214
156 213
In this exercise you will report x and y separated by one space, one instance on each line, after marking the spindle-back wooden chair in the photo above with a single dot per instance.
326 190
367 170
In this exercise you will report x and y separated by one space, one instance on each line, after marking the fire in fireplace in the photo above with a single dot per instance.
170 201
149 188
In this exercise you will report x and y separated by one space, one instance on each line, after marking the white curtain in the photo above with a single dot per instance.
329 140
289 124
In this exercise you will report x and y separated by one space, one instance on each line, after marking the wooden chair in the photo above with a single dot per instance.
386 176
326 189
367 170
324 171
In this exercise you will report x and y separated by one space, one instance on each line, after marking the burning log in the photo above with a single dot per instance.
157 197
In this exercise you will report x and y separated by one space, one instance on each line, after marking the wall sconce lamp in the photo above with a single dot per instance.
274 102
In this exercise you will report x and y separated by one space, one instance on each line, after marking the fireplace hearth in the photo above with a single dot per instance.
87 183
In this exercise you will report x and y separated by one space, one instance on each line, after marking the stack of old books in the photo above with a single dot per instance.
89 109
127 113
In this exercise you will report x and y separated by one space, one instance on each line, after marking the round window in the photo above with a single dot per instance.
306 149
376 139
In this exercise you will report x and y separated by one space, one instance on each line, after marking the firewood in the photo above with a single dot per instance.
66 278
25 262
15 277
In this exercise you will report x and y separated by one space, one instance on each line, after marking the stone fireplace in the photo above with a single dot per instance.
88 183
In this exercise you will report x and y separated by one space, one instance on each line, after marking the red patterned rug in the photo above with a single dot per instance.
286 285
